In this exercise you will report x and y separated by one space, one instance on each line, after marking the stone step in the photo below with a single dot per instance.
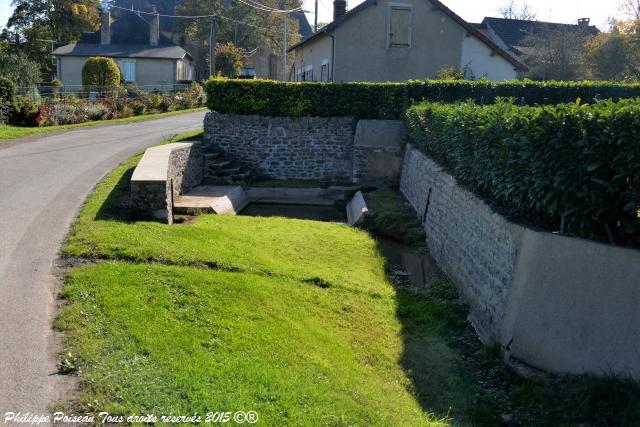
217 199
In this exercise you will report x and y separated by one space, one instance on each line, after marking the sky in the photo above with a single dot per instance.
566 11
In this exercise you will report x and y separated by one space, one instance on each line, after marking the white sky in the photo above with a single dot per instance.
567 11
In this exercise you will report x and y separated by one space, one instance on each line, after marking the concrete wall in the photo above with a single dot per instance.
563 304
149 72
162 174
477 57
332 148
378 151
362 52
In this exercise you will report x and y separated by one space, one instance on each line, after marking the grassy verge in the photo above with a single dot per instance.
13 132
293 319
393 218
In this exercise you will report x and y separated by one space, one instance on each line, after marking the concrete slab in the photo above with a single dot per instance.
356 209
218 199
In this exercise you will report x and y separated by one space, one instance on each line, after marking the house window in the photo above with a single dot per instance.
399 25
128 70
325 75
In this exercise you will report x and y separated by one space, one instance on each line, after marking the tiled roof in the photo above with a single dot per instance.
514 31
122 51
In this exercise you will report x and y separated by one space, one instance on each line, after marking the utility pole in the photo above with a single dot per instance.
235 34
212 48
284 42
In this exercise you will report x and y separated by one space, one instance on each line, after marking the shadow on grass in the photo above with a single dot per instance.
455 377
117 205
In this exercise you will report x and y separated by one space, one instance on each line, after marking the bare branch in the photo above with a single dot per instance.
512 10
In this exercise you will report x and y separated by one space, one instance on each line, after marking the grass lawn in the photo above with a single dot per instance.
293 319
12 132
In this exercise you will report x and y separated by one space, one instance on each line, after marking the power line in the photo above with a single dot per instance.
199 17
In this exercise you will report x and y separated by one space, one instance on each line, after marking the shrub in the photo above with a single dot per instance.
450 73
166 104
138 107
99 72
21 70
7 99
391 100
568 167
192 97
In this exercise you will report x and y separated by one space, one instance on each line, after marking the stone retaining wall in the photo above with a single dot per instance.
473 245
559 303
336 149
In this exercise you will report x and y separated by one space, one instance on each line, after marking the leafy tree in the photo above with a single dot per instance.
245 26
34 22
21 70
229 59
100 72
7 99
616 55
512 10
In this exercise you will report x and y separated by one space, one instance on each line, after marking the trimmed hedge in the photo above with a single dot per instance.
569 167
391 100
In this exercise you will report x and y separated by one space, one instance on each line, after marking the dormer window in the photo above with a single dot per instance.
399 25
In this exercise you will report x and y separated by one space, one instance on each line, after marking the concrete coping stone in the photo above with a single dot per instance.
356 209
154 165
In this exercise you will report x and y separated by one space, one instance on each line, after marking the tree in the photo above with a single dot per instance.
33 22
21 70
511 10
229 59
615 55
247 27
556 54
99 72
630 8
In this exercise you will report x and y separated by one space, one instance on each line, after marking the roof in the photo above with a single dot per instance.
304 28
128 29
471 30
514 31
122 51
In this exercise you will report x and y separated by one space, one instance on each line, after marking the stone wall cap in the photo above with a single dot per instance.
154 165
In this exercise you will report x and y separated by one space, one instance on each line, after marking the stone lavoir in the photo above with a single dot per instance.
563 304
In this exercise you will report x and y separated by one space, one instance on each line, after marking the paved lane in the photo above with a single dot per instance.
43 183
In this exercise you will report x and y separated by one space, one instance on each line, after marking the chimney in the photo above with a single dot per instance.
105 28
154 28
584 22
339 9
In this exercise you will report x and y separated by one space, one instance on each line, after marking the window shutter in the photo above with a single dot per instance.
400 25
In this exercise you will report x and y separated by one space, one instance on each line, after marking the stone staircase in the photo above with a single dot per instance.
219 169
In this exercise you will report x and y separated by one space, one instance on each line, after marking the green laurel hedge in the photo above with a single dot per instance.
568 167
391 100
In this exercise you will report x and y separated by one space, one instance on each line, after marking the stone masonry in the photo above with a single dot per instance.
286 147
476 247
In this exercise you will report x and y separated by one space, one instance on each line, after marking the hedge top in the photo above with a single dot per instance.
391 100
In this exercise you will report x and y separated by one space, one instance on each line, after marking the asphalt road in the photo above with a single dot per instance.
43 183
